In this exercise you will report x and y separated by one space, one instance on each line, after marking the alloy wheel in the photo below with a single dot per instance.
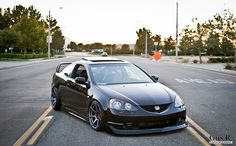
55 101
95 116
53 98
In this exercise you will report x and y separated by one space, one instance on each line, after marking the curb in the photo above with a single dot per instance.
28 63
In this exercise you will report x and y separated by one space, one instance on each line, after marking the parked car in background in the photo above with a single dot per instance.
104 54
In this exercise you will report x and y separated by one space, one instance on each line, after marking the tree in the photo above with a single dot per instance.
186 41
226 24
56 33
80 46
8 38
96 45
5 18
169 45
53 24
227 47
213 44
28 22
157 38
32 33
72 45
124 49
18 12
216 36
200 32
58 41
140 42
34 13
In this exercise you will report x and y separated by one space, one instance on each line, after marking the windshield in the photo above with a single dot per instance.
116 73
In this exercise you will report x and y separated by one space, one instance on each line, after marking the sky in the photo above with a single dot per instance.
116 21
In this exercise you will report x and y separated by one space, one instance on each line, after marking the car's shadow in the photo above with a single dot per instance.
109 132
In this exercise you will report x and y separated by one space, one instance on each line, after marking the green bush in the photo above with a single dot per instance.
195 61
228 66
22 56
221 60
121 52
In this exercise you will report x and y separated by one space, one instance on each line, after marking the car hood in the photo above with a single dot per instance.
141 94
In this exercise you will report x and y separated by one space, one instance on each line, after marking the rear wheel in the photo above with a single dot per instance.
55 101
96 116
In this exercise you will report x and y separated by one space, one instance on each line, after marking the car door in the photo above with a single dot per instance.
64 90
78 92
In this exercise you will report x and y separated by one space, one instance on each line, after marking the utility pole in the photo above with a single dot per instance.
49 38
176 46
111 49
146 44
134 51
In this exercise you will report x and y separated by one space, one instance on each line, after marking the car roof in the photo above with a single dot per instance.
98 60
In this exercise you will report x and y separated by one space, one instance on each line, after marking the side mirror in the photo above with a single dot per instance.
82 80
155 77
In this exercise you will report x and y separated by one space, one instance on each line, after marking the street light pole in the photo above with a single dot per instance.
49 35
176 46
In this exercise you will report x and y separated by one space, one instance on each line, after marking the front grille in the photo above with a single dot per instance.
151 124
151 108
158 124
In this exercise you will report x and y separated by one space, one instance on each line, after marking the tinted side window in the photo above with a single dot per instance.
68 70
80 71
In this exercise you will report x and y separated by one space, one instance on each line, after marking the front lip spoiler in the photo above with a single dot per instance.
147 131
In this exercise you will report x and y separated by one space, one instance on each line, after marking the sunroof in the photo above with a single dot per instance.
102 59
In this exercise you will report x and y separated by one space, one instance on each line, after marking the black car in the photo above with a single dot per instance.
117 95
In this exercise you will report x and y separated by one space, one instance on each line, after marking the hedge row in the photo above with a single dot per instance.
221 60
22 56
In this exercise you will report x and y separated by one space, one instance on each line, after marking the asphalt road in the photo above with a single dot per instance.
24 96
210 98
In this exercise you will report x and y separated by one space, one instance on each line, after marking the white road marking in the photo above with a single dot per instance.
204 81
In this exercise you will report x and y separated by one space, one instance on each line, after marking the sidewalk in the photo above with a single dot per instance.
219 67
11 64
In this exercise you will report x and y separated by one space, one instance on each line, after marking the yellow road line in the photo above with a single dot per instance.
194 124
200 129
27 133
37 134
196 135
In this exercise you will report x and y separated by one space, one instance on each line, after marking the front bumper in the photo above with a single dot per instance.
146 122
147 131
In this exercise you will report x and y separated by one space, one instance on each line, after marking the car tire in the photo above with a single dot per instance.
55 100
96 116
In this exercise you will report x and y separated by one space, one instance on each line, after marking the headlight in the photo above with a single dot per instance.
115 104
178 101
121 105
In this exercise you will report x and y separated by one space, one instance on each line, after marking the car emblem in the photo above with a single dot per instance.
157 108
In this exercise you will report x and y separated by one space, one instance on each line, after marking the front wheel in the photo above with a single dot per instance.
96 116
55 101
